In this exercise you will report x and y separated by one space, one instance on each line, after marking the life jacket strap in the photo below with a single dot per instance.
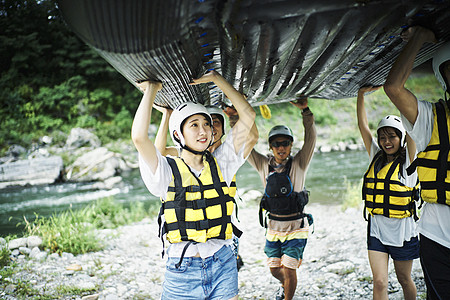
177 265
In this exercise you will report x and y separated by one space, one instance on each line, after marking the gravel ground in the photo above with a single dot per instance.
335 264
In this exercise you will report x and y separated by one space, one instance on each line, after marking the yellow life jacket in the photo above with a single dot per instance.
198 209
384 194
433 163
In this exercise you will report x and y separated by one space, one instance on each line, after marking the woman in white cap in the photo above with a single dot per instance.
389 195
195 191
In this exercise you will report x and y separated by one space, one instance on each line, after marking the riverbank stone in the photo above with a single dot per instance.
17 243
80 137
131 267
34 241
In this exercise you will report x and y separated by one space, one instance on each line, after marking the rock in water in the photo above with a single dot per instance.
37 171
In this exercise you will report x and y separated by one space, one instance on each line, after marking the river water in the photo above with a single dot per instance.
327 181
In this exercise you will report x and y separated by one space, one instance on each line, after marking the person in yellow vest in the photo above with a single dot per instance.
195 189
283 176
218 127
389 195
428 124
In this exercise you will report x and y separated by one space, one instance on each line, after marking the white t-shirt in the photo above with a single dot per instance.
229 162
393 231
434 222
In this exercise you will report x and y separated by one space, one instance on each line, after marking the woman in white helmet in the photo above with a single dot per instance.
428 124
195 191
389 195
218 128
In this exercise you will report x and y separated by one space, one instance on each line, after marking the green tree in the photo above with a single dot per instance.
50 80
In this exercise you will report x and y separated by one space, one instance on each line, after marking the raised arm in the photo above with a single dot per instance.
394 86
161 135
139 129
253 137
246 113
363 124
309 126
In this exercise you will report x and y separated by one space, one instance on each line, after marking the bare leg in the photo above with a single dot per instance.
290 282
278 274
288 279
379 265
403 271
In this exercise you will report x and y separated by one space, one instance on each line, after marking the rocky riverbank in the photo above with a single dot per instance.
335 264
82 158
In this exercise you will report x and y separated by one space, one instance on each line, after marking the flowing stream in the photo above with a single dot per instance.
327 179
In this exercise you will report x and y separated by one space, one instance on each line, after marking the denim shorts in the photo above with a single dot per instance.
215 277
409 251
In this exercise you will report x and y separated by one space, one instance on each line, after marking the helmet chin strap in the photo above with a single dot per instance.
190 149
193 151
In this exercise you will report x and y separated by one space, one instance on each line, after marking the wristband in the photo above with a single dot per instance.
306 110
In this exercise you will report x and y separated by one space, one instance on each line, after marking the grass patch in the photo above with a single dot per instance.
366 279
4 256
73 290
75 231
352 196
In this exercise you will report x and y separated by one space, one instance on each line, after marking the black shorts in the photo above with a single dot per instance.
409 250
435 261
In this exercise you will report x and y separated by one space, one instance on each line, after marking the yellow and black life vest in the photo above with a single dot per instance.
433 163
198 209
384 194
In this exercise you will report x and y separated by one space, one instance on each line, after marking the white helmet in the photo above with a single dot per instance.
440 56
180 114
215 110
280 130
394 122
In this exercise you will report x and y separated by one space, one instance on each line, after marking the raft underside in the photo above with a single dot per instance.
269 50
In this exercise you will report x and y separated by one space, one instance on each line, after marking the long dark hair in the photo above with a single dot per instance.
401 153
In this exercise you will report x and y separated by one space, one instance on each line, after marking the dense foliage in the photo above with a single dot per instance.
51 81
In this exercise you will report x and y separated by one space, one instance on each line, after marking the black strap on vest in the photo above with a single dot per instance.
180 198
180 204
439 165
178 265
287 167
385 205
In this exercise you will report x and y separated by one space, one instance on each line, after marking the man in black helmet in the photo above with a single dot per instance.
428 125
283 177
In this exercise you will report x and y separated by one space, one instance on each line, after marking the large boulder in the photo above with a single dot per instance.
97 165
80 137
37 171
